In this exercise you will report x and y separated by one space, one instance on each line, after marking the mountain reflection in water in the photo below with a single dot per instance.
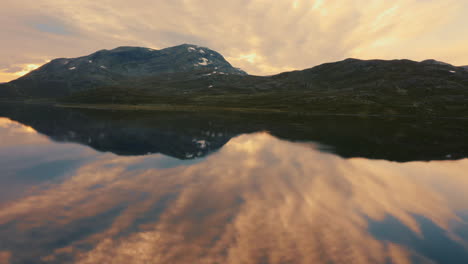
191 135
258 199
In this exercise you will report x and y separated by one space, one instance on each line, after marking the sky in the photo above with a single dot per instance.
262 37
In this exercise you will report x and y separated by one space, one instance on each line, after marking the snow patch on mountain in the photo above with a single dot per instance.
202 143
204 62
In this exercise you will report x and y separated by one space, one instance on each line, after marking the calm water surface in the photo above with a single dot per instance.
254 198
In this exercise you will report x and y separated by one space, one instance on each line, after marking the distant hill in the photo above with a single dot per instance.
189 75
374 87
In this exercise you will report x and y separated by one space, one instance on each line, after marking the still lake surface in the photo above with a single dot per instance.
118 187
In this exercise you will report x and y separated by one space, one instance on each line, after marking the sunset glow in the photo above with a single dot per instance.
24 69
327 213
261 37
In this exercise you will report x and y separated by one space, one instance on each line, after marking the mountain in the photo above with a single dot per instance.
435 62
352 86
199 78
63 76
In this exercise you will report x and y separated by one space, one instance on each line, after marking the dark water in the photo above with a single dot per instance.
160 187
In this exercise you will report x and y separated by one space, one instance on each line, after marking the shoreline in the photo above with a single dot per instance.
196 108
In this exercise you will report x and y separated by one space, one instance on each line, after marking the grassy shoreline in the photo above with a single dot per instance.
221 109
192 108
165 107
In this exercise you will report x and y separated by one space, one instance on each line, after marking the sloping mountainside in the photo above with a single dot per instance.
375 87
62 77
199 78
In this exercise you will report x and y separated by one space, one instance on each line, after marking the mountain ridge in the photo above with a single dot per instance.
197 76
63 76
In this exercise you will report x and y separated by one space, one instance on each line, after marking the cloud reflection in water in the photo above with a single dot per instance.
258 200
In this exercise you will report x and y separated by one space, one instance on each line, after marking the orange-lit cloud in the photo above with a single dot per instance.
257 199
27 68
14 134
262 37
8 74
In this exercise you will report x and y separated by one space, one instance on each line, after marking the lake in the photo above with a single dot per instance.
86 186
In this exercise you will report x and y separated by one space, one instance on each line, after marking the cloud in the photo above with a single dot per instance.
20 70
16 71
49 25
260 36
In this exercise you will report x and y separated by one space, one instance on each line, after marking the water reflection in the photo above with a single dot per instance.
193 135
257 200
